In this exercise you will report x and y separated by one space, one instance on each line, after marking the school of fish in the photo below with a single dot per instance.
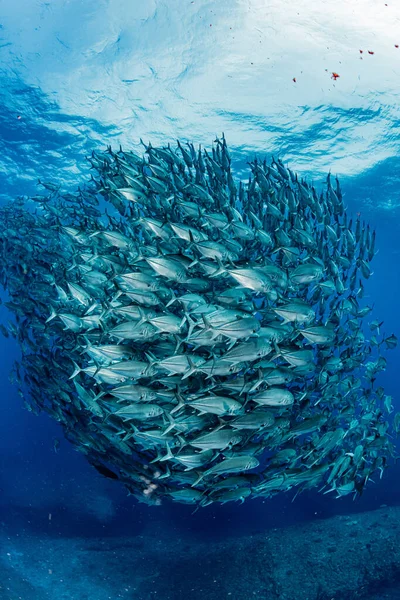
197 337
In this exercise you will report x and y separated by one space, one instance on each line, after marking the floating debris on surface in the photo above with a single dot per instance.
199 338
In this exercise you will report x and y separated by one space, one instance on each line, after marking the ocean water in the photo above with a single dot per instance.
315 84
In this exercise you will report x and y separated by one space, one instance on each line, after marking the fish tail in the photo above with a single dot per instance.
220 271
166 474
191 325
170 426
173 298
152 362
181 402
156 459
73 266
76 372
168 455
52 316
143 317
199 478
182 442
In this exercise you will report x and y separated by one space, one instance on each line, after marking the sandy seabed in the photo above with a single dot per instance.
344 557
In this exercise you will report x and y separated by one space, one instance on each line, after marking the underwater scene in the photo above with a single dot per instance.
199 269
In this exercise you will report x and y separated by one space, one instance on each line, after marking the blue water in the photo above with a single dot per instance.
78 75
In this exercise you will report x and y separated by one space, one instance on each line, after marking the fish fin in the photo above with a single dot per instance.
296 494
256 384
181 404
220 271
143 317
115 297
73 266
52 316
135 429
152 361
101 324
157 458
166 474
182 441
168 455
178 343
194 263
76 372
183 320
199 478
173 298
210 375
170 426
192 243
231 344
192 369
246 400
191 325
206 322
88 343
